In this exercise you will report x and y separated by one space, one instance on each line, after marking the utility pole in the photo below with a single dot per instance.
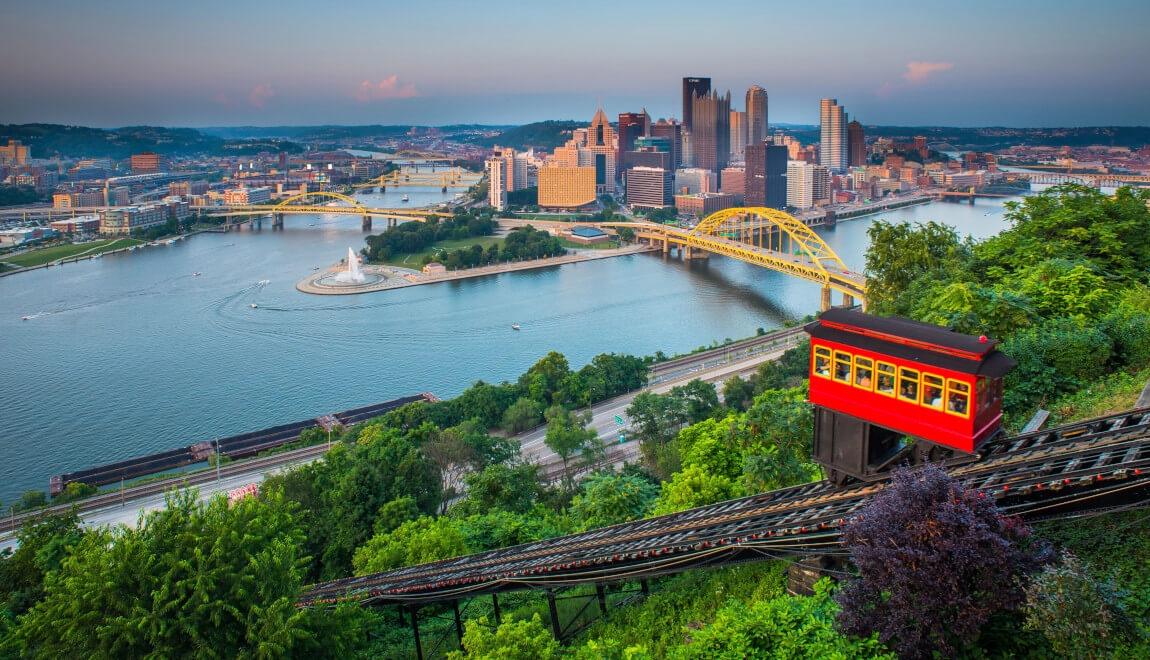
217 443
122 502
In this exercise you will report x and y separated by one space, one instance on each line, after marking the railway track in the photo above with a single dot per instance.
1077 467
661 371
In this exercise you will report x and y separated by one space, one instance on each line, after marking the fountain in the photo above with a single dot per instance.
352 275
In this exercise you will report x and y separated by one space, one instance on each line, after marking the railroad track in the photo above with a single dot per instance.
158 487
1072 468
660 371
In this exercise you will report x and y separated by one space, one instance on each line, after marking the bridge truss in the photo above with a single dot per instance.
293 205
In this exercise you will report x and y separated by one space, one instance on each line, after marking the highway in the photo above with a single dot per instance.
716 365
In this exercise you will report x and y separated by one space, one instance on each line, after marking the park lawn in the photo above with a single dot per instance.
415 259
44 255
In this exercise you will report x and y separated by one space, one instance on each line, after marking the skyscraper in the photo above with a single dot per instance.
632 125
673 131
711 134
600 152
856 144
833 142
756 114
765 182
693 87
738 135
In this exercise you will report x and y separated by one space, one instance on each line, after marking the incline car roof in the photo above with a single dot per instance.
865 331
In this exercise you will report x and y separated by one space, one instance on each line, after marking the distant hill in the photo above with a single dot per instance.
989 138
50 140
540 135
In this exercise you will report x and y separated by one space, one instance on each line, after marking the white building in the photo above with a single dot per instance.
807 184
833 135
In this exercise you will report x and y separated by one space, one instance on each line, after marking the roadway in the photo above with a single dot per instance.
716 365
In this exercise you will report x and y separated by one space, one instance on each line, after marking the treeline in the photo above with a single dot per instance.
16 195
410 237
521 244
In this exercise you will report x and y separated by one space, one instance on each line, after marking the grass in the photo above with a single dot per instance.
415 259
1116 392
45 255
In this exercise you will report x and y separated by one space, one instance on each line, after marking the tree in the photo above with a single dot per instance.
544 379
511 640
43 545
417 541
934 562
508 487
608 499
568 435
737 393
1081 617
193 579
900 254
524 414
693 487
453 457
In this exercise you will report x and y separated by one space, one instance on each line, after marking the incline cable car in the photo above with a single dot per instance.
876 380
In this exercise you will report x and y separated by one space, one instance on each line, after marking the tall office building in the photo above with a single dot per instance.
673 131
766 176
856 144
833 135
566 187
711 133
497 171
631 126
693 87
756 115
807 184
649 187
738 135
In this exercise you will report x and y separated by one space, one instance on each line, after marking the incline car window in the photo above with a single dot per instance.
823 361
842 366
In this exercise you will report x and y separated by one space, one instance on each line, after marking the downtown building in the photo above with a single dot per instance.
672 131
693 87
832 135
756 114
710 134
630 127
807 184
649 187
149 162
562 187
856 144
766 176
738 125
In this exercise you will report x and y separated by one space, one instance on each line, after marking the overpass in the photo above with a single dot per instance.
764 237
302 204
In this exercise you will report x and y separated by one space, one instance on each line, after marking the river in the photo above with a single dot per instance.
132 353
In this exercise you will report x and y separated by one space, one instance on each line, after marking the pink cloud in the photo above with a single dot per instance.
222 99
260 95
388 88
918 72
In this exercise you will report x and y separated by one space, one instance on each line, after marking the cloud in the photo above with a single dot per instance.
388 88
222 99
260 95
918 72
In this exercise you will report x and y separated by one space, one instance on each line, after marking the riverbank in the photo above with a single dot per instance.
395 278
867 210
112 246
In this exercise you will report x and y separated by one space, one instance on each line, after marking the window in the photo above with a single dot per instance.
908 385
864 372
958 397
932 391
983 396
822 361
884 384
842 367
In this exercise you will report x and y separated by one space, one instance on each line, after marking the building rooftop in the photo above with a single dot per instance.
587 232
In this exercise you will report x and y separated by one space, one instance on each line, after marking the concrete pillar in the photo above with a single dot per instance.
366 225
825 304
666 246
848 301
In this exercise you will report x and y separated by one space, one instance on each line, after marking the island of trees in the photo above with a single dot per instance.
936 571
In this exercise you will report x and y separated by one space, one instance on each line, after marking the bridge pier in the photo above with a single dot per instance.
825 303
848 301
366 224
278 221
695 254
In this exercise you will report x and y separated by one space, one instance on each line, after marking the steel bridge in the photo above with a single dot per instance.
1096 179
1096 465
765 237
455 177
293 205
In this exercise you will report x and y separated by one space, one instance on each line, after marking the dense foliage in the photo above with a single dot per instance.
50 140
934 562
17 195
410 237
521 244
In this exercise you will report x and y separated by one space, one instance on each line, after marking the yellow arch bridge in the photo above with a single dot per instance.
455 177
764 237
304 203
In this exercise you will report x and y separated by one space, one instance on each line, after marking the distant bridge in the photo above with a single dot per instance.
456 177
1096 179
353 206
764 237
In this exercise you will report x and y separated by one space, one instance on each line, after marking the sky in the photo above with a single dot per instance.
434 62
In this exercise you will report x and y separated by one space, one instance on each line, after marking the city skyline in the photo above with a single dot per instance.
216 64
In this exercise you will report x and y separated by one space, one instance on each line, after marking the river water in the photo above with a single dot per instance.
131 353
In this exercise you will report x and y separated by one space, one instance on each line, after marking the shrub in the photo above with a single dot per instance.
512 640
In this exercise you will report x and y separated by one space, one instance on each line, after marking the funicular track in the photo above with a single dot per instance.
1079 467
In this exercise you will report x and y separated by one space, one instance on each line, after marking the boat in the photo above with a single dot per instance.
25 318
405 198
254 306
196 274
514 326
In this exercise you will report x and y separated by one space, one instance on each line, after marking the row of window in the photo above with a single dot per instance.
905 384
